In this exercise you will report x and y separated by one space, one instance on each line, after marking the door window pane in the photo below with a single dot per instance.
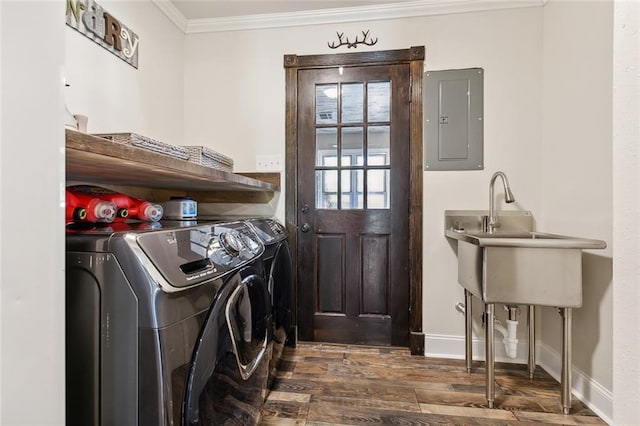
326 104
376 180
352 179
378 101
352 141
377 201
346 181
329 160
377 189
377 160
352 103
326 189
378 144
326 145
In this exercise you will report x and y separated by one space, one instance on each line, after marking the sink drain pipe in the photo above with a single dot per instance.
508 334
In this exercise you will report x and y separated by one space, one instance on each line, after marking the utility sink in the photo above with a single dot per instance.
513 265
516 265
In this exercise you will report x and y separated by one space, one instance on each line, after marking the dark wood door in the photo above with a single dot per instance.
353 190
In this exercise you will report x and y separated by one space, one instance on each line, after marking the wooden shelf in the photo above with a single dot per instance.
146 174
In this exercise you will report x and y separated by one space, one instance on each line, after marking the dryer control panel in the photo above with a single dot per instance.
268 230
187 256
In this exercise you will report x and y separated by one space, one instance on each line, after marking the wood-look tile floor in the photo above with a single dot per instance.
328 384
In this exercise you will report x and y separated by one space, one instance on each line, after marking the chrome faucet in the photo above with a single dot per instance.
492 222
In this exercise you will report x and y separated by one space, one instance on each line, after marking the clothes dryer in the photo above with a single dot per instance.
166 326
279 276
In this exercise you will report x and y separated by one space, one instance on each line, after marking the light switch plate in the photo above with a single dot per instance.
269 163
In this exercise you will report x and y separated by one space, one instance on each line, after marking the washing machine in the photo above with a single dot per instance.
166 324
277 266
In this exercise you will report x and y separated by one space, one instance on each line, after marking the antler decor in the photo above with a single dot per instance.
353 44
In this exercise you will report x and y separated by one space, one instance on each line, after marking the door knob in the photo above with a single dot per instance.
305 227
305 208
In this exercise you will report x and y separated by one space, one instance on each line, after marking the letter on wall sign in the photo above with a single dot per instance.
112 31
93 21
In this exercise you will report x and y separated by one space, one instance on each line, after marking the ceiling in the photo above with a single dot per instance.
213 9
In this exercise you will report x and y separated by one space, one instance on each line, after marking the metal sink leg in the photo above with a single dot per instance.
532 340
468 338
489 354
565 379
566 360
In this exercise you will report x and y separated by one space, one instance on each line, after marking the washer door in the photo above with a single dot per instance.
248 319
227 377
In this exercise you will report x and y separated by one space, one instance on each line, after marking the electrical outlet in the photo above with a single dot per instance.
269 163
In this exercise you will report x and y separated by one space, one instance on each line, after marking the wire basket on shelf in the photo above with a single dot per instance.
147 143
208 157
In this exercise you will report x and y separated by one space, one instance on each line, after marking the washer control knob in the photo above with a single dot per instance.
231 243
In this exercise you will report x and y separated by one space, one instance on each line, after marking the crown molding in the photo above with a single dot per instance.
407 9
167 7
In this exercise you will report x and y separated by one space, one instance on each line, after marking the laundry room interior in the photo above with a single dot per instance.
165 317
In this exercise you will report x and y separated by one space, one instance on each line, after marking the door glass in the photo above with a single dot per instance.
327 104
378 144
326 189
352 197
361 176
378 101
352 142
345 184
377 189
326 145
352 103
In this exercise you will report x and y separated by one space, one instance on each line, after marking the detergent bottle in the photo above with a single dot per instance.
127 207
82 207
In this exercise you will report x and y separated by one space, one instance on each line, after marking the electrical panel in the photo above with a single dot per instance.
453 114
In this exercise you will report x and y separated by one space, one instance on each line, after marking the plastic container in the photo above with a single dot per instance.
81 207
180 208
127 207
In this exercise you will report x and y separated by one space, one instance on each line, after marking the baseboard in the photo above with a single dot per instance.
587 390
443 346
416 342
593 394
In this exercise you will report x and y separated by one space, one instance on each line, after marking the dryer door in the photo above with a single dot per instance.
228 374
248 318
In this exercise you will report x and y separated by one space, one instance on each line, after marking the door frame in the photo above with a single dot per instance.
413 56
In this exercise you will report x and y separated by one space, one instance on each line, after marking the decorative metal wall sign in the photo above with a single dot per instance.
89 18
354 44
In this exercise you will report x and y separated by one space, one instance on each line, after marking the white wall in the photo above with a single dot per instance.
234 102
119 98
576 173
626 204
31 214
